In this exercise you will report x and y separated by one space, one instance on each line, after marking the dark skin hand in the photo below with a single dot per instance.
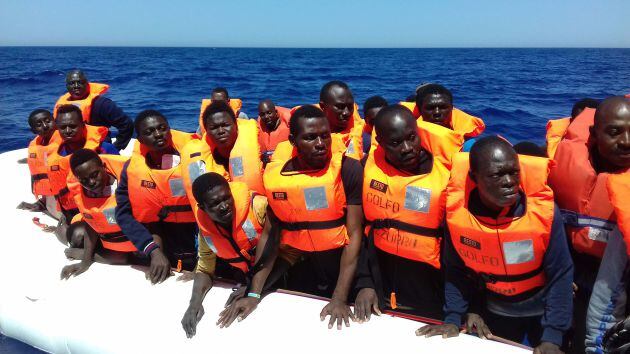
34 207
89 246
202 284
547 348
366 304
445 330
160 267
474 324
22 161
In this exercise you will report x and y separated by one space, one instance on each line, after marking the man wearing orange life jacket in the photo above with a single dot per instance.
610 136
371 107
505 236
96 109
75 135
404 195
229 147
584 161
434 104
93 181
337 102
557 128
315 200
273 124
151 199
42 124
230 219
220 94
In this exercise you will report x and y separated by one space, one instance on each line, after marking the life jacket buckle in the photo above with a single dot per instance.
488 278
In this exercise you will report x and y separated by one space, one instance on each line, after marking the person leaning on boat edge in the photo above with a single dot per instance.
100 110
505 235
315 202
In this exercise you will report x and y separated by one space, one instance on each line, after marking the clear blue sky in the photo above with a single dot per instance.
323 23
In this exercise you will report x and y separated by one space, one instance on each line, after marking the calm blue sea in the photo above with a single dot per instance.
515 90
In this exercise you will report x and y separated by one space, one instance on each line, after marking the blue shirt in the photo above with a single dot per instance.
105 113
104 148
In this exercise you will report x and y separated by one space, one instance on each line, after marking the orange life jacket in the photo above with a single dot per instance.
581 192
461 122
100 212
37 163
85 104
311 206
237 249
235 103
59 166
506 252
269 140
158 195
556 128
350 141
619 191
405 212
245 164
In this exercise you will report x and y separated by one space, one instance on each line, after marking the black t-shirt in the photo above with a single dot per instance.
352 179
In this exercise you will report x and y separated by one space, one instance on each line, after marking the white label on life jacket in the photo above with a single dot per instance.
177 187
236 165
249 229
518 252
350 149
110 215
196 169
210 243
417 199
315 198
597 234
169 161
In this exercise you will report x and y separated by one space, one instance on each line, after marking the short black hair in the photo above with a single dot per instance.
144 115
431 89
374 102
206 182
217 107
477 151
529 148
306 111
323 93
31 117
222 90
82 156
579 106
387 112
69 108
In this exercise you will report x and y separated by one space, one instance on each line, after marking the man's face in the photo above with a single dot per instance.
92 175
219 96
437 109
43 125
222 129
402 145
612 138
154 133
313 142
338 107
370 114
218 203
77 86
71 127
268 115
498 177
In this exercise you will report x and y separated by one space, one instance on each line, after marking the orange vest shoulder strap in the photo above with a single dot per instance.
95 136
441 142
579 130
619 191
466 124
556 129
412 107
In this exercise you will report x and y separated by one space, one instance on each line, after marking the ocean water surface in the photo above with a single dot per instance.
514 90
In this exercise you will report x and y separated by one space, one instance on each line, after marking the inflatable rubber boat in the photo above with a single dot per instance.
114 309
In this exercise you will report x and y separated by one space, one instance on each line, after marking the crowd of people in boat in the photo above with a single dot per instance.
409 208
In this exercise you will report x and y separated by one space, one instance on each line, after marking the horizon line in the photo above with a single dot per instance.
287 47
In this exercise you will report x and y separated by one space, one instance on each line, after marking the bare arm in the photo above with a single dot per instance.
350 255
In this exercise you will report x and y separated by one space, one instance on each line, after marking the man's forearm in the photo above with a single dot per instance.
89 245
202 283
347 269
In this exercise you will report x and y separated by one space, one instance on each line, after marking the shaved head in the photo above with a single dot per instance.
75 73
391 116
610 134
